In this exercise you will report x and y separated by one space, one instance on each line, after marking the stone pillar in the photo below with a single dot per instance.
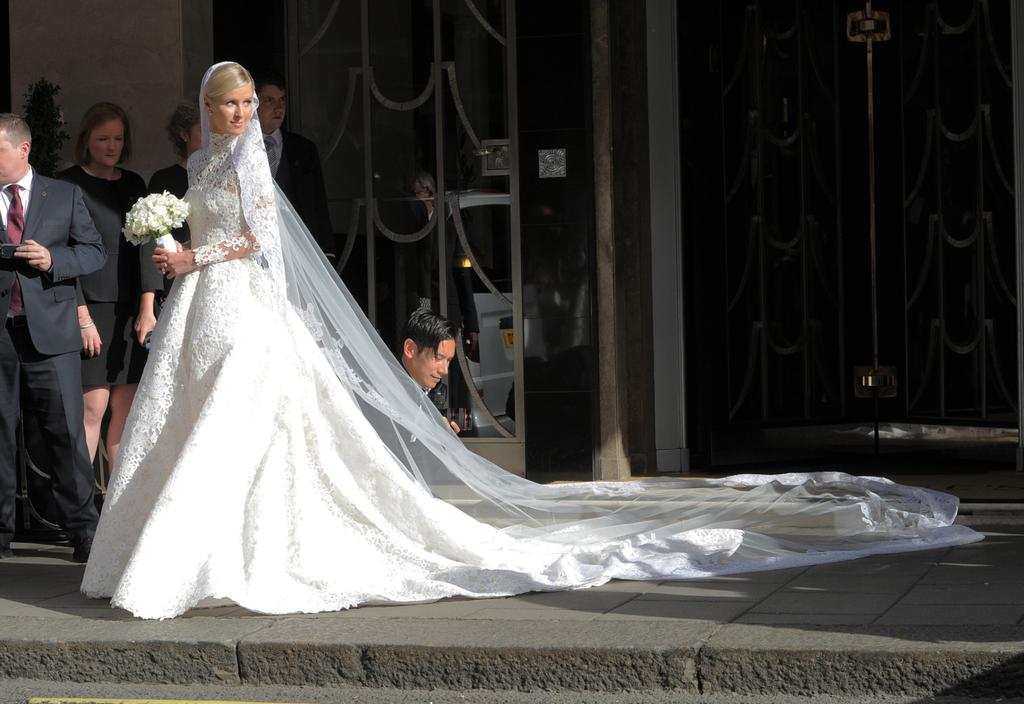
196 43
121 51
612 462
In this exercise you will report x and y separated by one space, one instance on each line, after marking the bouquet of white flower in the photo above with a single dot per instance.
153 217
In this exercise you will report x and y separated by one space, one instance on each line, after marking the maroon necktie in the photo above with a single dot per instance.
15 228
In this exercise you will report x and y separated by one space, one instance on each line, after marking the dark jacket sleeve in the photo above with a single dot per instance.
324 230
150 278
84 253
306 189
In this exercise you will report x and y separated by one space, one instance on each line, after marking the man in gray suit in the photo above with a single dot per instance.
47 239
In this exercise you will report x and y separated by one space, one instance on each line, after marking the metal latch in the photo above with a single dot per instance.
869 381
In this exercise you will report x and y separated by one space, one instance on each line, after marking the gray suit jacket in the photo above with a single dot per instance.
57 219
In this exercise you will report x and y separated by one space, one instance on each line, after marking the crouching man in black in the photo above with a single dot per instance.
428 346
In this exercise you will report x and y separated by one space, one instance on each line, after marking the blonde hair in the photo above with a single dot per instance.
226 78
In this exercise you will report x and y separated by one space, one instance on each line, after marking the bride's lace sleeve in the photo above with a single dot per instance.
252 239
235 212
233 248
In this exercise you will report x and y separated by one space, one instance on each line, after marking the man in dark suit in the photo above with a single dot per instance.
294 161
48 239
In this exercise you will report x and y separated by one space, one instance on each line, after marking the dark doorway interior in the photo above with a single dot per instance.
776 230
252 32
5 57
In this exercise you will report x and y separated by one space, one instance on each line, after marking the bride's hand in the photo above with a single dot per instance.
172 264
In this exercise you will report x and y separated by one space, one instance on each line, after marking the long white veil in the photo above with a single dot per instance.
739 523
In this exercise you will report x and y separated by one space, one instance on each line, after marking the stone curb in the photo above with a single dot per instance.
910 661
706 658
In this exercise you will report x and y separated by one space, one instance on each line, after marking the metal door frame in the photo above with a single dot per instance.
508 451
1017 73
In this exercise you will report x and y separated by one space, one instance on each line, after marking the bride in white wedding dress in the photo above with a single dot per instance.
278 456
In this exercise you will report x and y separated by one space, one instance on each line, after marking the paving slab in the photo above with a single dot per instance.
831 583
976 593
952 615
736 590
800 602
679 609
813 619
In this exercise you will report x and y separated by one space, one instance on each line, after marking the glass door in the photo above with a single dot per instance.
412 105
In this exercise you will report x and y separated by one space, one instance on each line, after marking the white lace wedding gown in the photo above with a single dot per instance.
249 471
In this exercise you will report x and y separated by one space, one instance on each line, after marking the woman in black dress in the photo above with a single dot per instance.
115 304
186 136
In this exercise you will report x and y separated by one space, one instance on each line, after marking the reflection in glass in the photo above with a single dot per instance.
424 226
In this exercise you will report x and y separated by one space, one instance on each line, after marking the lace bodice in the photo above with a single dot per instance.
215 213
218 223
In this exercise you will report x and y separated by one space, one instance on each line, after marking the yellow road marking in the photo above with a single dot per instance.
98 700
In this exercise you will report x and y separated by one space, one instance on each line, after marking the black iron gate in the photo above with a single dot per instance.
806 287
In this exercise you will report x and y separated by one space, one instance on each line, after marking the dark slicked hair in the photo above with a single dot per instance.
427 329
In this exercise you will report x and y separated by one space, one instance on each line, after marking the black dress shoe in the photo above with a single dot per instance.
83 547
6 552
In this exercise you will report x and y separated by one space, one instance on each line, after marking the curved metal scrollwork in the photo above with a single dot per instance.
968 133
460 230
748 145
926 262
398 105
990 245
952 29
474 394
322 29
997 165
954 281
453 85
748 264
990 40
783 211
353 232
484 23
926 158
922 59
399 237
741 60
346 112
997 366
